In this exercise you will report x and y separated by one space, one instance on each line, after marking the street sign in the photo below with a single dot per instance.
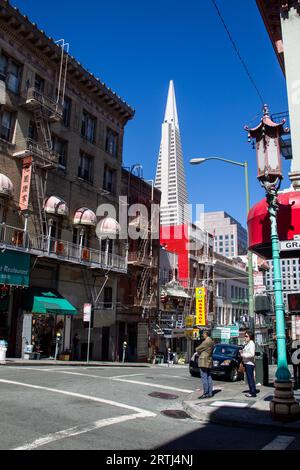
200 306
189 321
290 245
87 310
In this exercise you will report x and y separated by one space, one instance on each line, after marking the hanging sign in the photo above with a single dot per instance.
87 310
200 306
25 184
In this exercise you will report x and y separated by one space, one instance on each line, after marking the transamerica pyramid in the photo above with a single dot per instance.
170 176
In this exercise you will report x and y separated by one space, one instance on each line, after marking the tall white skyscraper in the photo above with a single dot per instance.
170 176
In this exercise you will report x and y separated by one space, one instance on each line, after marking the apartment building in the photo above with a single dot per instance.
230 237
61 140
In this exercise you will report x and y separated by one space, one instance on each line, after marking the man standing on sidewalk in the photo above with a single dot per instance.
205 351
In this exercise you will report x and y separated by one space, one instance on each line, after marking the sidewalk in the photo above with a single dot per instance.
53 362
230 407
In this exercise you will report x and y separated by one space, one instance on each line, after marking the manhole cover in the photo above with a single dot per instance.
163 396
177 414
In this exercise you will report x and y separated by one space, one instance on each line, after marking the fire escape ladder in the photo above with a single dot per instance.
38 196
43 128
142 249
142 288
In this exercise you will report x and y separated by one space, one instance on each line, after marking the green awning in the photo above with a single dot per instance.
43 301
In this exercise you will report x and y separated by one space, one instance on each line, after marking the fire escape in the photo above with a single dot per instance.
38 152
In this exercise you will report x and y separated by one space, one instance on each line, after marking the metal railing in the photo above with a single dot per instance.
29 147
18 239
47 102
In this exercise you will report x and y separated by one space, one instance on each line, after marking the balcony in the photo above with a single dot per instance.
35 99
136 259
13 238
41 155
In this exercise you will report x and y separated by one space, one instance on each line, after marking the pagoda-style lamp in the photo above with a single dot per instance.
267 138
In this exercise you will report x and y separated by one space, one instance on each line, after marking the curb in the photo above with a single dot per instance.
217 418
70 364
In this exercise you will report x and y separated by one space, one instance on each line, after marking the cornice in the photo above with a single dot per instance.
26 32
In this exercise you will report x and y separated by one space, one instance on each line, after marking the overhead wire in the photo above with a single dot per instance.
234 45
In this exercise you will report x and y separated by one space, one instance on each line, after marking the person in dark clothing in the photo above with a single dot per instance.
76 341
295 356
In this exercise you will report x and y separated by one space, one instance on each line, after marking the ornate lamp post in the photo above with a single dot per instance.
267 134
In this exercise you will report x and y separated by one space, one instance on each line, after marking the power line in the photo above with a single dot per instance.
238 52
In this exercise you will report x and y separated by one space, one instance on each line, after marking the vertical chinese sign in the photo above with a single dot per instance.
200 306
25 184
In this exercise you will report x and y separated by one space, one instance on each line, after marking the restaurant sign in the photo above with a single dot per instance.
14 268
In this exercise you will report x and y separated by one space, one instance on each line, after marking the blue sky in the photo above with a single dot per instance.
137 47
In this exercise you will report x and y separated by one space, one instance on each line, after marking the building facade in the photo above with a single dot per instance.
138 289
230 238
61 151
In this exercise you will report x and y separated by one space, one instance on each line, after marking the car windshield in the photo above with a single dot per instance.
225 350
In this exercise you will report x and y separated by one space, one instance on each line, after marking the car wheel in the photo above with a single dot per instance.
234 375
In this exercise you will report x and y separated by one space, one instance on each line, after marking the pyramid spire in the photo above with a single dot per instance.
170 177
171 108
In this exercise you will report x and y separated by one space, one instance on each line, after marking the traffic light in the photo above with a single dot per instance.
294 302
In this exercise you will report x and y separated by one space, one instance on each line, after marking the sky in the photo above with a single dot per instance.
136 48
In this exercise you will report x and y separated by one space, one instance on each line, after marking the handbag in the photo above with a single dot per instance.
241 368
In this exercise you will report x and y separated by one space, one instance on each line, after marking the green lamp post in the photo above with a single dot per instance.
267 138
197 161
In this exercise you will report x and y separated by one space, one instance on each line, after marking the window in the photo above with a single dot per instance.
109 179
60 147
111 144
32 131
10 72
108 297
6 125
66 117
85 167
3 66
39 83
14 74
88 127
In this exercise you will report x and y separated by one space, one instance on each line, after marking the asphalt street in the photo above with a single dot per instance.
114 408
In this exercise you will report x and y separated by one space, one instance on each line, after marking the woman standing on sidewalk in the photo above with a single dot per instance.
248 355
205 363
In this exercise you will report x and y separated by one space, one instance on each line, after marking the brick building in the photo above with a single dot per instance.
138 290
60 158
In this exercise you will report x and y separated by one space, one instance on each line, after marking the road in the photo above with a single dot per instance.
112 408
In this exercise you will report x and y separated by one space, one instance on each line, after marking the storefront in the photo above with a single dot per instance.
14 276
46 328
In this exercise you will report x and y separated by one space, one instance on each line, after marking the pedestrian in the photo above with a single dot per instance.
295 356
248 357
205 351
75 341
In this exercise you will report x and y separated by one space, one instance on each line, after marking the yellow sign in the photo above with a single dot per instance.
189 321
200 306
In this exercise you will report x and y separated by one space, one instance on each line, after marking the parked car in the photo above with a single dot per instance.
226 361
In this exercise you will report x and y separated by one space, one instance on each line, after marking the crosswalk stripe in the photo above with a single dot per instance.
279 443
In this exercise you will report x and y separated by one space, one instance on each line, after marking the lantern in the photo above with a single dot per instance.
267 136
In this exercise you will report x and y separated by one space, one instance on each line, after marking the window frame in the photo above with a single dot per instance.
84 156
12 124
88 118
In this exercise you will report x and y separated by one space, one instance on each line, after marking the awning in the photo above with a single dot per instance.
6 186
85 216
55 205
41 300
180 293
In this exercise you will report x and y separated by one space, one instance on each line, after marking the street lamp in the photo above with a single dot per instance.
267 137
197 161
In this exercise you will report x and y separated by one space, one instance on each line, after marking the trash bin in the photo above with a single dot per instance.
261 367
3 349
